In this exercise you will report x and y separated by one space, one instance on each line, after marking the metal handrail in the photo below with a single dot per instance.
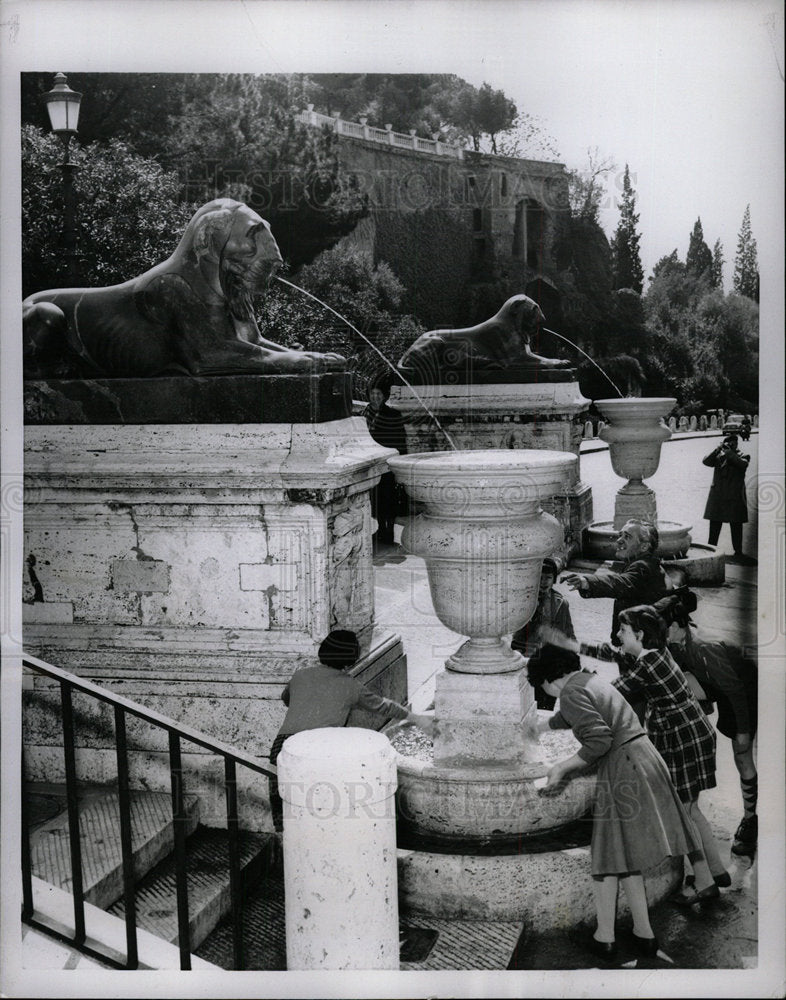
176 733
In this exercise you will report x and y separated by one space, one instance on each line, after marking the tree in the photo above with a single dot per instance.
699 256
716 270
527 138
475 112
236 137
628 272
746 263
130 213
587 186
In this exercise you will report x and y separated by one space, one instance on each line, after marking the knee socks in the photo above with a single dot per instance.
750 794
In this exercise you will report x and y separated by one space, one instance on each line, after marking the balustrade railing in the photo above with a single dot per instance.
177 733
361 130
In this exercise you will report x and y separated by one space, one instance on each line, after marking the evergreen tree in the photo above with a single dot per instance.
699 257
628 272
716 269
746 263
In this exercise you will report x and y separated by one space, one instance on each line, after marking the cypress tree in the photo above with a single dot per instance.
627 269
699 257
746 263
716 269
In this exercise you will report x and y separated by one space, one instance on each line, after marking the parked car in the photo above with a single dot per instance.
735 422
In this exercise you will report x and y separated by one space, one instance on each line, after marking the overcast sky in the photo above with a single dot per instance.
687 92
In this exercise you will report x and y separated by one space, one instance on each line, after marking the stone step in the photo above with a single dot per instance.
449 944
207 868
152 838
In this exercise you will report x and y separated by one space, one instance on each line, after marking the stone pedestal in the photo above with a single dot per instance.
508 416
195 566
483 720
340 877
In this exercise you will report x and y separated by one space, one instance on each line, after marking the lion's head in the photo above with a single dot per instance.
234 250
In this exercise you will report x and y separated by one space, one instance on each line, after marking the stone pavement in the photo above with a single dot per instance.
727 936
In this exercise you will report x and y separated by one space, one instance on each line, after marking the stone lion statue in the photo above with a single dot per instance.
191 314
502 342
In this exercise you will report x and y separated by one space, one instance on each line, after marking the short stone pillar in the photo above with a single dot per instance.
703 422
713 422
683 425
340 878
672 424
589 431
756 420
693 423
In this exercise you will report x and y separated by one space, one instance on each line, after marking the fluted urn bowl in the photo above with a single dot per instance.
483 534
635 434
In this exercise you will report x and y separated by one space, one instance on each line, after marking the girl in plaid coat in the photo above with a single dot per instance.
678 728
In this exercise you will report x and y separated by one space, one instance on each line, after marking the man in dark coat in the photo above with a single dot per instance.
642 580
726 502
386 426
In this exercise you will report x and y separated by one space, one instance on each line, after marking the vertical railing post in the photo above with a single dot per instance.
230 781
126 842
72 800
27 873
178 822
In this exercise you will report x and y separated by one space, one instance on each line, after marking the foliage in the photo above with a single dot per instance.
235 137
129 216
368 296
746 263
585 280
627 267
587 186
527 138
620 371
699 256
716 269
703 344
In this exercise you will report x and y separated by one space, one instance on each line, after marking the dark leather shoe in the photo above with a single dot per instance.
706 897
607 950
648 947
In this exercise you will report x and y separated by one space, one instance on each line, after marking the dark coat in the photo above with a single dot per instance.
642 581
386 426
726 501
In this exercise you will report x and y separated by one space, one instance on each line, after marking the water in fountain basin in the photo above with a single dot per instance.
374 347
568 341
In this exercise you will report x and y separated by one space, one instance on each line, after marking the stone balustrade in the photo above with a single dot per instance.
362 130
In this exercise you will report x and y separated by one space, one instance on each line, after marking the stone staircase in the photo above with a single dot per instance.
152 829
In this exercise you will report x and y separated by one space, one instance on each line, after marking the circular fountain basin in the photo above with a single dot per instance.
480 806
459 857
601 539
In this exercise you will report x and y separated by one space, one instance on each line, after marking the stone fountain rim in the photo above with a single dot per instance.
479 774
646 405
495 461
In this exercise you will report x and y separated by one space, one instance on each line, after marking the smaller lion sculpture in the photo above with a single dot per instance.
500 343
192 314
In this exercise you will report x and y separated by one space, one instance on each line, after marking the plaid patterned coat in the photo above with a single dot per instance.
674 720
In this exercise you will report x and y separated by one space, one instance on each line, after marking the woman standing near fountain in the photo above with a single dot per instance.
638 817
679 729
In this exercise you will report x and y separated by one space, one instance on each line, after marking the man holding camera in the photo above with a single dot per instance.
726 503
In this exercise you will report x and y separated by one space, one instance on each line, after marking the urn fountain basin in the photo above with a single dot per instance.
483 536
635 434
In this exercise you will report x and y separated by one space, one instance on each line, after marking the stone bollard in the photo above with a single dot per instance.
693 423
340 876
713 422
588 431
672 424
703 422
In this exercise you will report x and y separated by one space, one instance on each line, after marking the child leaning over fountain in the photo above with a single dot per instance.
638 818
324 695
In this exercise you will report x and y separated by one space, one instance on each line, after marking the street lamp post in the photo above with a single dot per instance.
62 104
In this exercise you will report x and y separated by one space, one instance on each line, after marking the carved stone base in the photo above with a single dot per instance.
634 501
195 567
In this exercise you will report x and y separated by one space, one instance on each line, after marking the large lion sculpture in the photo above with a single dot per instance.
500 343
192 314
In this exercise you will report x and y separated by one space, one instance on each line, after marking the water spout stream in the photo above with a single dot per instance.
567 341
374 347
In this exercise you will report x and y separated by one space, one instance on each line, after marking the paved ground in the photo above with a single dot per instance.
727 936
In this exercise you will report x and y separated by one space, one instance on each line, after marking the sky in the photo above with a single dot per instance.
689 93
